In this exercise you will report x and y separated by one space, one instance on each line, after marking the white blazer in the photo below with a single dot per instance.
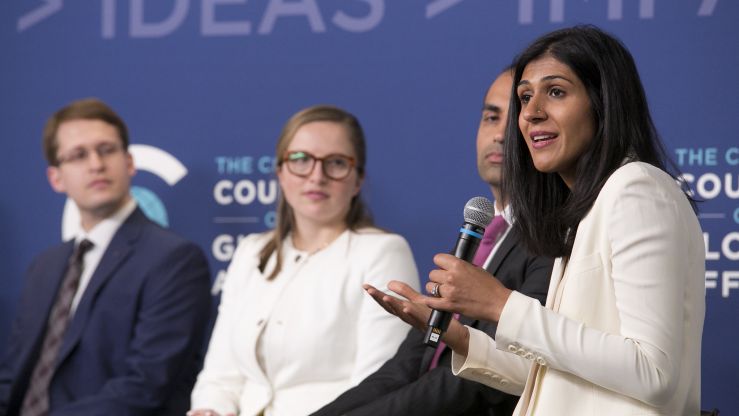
621 330
290 345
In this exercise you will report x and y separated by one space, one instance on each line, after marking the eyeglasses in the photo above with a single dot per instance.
335 166
82 154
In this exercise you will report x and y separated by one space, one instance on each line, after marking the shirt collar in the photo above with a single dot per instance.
102 233
506 213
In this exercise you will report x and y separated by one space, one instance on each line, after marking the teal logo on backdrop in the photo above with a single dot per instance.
152 206
146 159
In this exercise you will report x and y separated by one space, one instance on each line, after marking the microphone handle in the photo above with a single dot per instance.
468 242
465 249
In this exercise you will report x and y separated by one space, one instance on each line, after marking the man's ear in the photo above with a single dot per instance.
55 179
130 166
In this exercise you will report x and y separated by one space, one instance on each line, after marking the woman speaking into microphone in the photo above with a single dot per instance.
589 183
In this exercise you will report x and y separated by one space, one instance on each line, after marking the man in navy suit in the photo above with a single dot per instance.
408 384
118 330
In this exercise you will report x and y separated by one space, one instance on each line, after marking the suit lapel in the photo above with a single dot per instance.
506 245
119 249
53 271
428 355
557 275
46 286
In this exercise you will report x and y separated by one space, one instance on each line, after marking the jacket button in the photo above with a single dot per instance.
512 348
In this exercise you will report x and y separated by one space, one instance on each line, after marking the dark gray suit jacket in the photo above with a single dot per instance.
403 386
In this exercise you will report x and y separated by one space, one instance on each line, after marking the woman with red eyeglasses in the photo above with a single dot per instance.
294 327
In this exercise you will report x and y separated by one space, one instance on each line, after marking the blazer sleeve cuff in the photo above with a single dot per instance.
483 362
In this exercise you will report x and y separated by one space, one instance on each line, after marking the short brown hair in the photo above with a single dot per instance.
86 109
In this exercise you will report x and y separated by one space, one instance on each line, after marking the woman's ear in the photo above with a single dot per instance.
358 186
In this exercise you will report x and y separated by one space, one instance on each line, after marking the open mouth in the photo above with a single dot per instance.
543 137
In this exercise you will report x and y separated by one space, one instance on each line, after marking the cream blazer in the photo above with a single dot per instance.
290 345
621 330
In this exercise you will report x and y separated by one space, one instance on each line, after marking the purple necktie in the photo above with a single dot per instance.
492 233
36 401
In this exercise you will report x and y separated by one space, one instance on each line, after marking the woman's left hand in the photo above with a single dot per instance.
466 289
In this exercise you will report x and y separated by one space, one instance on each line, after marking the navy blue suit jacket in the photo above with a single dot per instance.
404 386
134 344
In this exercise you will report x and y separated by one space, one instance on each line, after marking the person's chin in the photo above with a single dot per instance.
108 204
492 176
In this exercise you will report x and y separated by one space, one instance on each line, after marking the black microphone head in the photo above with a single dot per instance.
479 211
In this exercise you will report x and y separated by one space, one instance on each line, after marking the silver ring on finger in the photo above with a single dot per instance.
435 290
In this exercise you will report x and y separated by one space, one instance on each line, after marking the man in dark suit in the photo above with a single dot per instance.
409 384
116 328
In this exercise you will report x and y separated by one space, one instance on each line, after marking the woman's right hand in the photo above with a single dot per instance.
207 412
466 289
412 311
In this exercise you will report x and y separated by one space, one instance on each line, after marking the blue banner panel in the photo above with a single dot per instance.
205 86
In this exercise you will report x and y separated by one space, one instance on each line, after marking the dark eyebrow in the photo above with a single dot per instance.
546 78
491 107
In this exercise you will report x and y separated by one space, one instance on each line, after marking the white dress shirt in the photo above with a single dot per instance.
100 235
508 217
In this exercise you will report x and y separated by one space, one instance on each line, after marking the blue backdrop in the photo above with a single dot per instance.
205 86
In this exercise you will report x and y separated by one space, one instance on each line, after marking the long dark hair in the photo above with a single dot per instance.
358 215
547 212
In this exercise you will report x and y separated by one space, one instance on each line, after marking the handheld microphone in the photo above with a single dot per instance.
478 212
